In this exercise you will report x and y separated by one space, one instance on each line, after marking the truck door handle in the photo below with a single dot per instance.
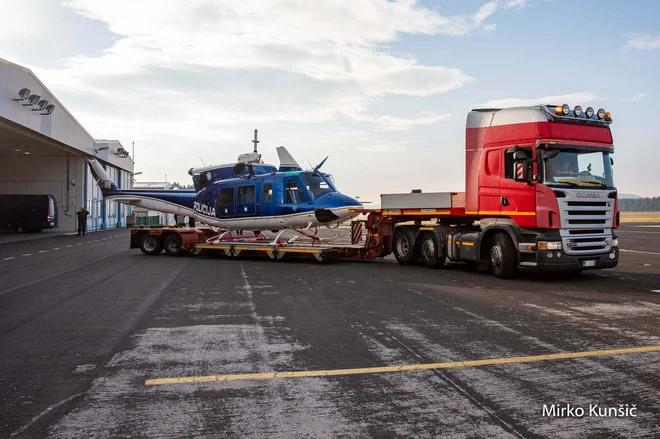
504 201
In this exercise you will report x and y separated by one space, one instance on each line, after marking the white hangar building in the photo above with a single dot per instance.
42 151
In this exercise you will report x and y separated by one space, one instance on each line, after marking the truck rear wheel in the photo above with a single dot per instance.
404 246
503 258
173 245
429 250
151 244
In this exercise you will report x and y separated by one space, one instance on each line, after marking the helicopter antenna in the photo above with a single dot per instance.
255 141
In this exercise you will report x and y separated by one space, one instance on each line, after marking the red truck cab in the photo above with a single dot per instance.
545 173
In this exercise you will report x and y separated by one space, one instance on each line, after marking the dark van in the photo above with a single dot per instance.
28 213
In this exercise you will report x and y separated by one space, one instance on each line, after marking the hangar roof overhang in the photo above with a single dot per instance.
24 128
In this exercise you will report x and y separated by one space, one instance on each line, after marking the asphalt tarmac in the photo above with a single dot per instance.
97 340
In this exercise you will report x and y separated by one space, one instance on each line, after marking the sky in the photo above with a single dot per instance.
381 87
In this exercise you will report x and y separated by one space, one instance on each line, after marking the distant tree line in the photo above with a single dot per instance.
640 204
176 185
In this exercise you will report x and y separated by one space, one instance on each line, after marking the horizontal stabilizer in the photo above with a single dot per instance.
287 162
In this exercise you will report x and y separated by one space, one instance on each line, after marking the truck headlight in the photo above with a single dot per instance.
549 245
615 242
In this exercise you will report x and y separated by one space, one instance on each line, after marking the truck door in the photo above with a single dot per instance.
517 198
489 182
246 200
226 202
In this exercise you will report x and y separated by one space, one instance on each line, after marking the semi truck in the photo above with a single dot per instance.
539 195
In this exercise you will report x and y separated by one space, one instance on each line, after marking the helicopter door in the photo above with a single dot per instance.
246 201
226 203
294 194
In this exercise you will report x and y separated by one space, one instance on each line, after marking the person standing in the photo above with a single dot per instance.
82 220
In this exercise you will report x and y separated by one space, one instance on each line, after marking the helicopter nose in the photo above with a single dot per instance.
325 215
336 208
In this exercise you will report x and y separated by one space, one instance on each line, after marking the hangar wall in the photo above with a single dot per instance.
47 174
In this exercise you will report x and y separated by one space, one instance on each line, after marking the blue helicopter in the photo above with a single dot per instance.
246 196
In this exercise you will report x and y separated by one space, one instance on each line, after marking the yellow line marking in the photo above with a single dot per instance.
9 259
263 249
468 244
27 254
426 228
43 251
403 368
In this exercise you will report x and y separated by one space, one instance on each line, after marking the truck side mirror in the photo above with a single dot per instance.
519 156
523 170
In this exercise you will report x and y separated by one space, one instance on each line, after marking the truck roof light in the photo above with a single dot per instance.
601 113
565 109
608 115
577 111
589 112
558 110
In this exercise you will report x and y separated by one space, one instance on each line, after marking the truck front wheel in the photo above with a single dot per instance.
430 249
173 246
151 244
503 256
404 245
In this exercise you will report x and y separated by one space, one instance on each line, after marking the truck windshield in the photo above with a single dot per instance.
573 167
318 185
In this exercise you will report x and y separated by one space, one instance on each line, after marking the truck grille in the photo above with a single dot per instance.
586 224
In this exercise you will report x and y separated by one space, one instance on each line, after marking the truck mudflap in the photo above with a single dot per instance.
557 260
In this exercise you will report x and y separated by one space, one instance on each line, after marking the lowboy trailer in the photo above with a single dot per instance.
539 195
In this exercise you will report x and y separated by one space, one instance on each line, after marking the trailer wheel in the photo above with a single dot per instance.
404 245
151 245
503 256
173 246
429 249
22 229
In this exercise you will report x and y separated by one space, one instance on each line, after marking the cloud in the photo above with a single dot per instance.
584 98
383 147
338 49
642 42
390 123
639 96
515 4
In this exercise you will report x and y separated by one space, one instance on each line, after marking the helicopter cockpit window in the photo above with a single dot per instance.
317 185
294 193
